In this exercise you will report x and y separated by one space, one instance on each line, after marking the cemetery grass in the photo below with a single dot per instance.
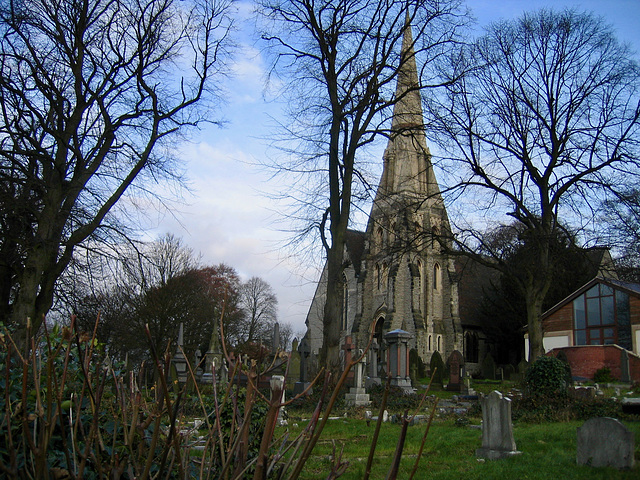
548 451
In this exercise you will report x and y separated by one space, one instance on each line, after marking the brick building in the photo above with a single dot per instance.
597 326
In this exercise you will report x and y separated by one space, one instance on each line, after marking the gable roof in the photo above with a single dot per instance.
628 287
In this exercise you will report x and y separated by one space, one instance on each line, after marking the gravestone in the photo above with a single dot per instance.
357 395
374 377
497 429
605 442
631 406
584 392
417 368
466 385
179 361
521 369
276 383
436 367
197 364
488 367
304 351
509 370
398 358
348 349
455 363
213 356
293 374
625 375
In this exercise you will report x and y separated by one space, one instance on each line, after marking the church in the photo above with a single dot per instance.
399 279
396 275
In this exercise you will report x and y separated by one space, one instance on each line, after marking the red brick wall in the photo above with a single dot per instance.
585 360
561 319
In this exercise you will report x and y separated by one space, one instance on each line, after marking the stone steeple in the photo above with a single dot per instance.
397 276
409 281
407 168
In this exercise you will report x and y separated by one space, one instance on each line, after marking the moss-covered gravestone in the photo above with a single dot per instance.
488 367
436 366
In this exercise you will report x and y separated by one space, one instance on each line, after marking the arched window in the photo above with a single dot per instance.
435 232
429 342
439 341
345 302
384 277
417 288
436 276
471 347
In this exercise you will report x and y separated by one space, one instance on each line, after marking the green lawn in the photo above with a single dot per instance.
548 452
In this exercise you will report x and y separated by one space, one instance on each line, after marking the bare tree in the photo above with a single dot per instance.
622 225
158 262
91 92
541 127
343 60
158 285
259 305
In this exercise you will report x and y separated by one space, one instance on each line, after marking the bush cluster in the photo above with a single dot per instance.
564 409
548 377
603 375
397 401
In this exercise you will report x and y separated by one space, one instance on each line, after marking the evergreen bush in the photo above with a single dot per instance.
436 365
603 375
547 376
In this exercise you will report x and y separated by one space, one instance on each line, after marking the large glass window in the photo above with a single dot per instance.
601 317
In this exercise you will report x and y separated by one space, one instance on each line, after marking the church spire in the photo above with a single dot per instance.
407 166
407 112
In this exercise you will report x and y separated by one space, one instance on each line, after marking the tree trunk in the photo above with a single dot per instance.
535 293
330 352
534 312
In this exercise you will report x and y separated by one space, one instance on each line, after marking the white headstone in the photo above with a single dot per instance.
497 429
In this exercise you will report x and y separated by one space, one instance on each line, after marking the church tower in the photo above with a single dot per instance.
396 275
407 282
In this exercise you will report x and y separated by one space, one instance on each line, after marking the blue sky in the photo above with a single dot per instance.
228 216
